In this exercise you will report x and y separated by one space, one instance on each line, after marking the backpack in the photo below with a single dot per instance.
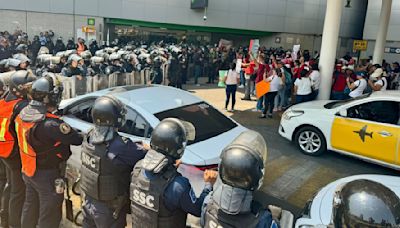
288 79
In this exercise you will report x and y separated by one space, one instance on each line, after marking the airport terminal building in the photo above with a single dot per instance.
277 23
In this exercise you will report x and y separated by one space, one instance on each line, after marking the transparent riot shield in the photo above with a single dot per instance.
79 85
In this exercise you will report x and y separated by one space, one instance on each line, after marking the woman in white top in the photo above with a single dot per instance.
232 79
303 87
357 88
377 81
276 81
315 77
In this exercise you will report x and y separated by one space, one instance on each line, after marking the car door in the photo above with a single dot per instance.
370 130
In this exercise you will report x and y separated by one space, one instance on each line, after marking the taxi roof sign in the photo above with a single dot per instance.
360 45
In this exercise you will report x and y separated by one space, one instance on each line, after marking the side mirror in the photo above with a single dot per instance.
343 113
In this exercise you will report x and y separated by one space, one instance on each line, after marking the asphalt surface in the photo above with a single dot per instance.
291 178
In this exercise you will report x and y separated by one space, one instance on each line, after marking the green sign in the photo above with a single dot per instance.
91 21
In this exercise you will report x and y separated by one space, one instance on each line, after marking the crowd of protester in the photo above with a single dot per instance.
294 77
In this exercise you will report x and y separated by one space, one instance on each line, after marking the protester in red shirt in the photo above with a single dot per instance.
262 68
338 83
248 71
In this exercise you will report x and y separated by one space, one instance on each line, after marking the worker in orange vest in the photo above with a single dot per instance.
80 46
12 103
44 142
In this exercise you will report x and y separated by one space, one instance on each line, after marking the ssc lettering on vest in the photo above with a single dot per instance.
89 161
142 198
213 224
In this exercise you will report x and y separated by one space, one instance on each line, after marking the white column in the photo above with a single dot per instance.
382 31
329 43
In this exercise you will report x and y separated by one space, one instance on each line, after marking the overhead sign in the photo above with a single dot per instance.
198 4
91 21
360 45
88 29
393 50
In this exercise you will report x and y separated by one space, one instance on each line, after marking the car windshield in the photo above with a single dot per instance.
335 104
207 121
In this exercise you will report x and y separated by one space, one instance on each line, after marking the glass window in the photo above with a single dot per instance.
82 110
135 125
208 121
335 104
377 111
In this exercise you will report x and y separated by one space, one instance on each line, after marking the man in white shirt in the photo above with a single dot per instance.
376 81
315 77
357 88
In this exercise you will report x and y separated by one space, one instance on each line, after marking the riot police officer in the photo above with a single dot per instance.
72 67
160 196
365 203
156 73
241 171
174 71
107 160
12 104
115 64
24 61
44 143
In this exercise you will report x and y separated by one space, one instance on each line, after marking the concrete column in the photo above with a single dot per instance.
329 43
382 31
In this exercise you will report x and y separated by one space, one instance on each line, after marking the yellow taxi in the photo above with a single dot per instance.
366 127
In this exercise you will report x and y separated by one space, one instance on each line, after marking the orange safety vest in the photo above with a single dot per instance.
81 48
6 138
28 154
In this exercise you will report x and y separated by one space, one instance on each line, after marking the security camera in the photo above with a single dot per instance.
205 18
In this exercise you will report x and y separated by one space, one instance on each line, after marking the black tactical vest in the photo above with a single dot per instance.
147 200
100 178
216 218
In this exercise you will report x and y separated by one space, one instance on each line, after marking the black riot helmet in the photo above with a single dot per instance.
20 83
108 111
47 89
242 161
365 203
170 137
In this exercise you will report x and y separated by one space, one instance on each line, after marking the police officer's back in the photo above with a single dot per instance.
12 104
44 144
241 171
107 161
160 196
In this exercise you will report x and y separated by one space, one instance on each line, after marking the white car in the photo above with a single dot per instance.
146 107
318 211
366 127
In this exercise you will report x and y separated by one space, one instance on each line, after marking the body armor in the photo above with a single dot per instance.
101 179
147 200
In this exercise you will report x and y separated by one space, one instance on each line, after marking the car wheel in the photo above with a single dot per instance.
310 141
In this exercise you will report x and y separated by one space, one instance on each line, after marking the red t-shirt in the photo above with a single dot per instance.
261 70
250 69
339 83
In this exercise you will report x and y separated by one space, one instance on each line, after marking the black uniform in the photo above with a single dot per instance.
105 177
69 71
50 138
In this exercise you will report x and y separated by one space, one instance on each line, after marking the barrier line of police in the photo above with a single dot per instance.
73 86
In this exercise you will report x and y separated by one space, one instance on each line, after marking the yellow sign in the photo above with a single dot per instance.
360 45
88 29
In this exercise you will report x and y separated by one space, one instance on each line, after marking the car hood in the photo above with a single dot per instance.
210 149
321 209
311 105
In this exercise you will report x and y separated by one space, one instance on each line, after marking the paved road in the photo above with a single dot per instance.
291 178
